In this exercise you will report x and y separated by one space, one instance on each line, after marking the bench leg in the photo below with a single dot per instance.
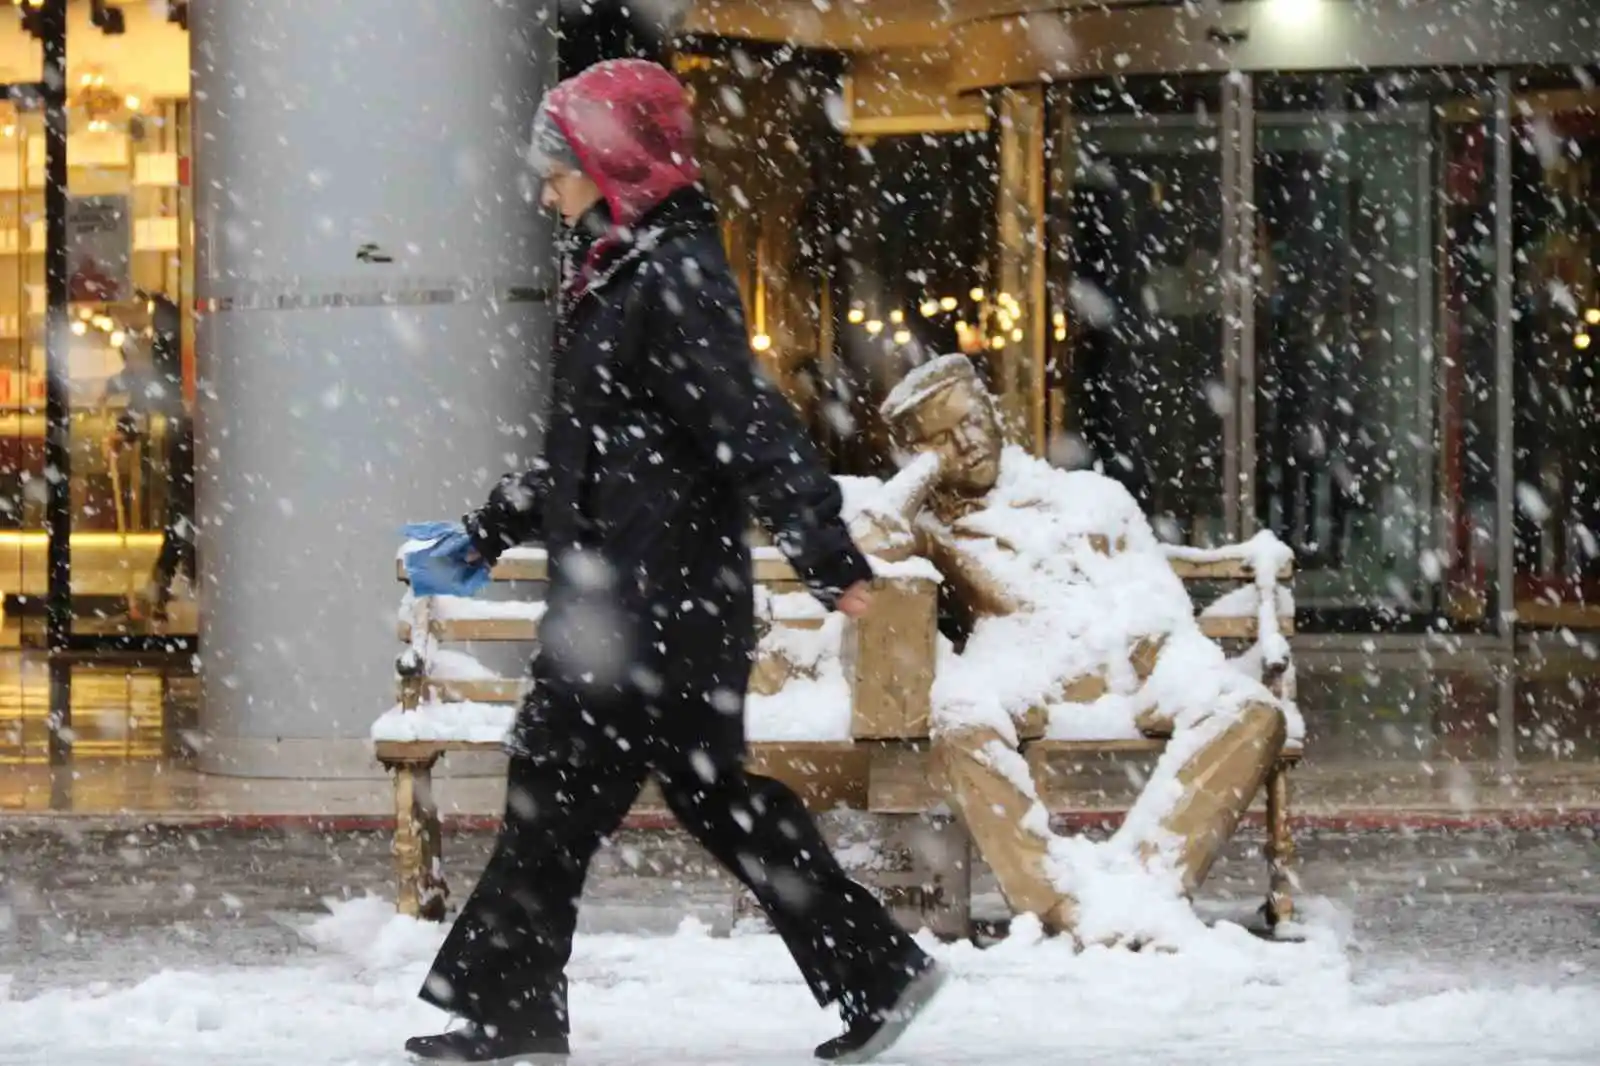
1280 848
420 891
928 880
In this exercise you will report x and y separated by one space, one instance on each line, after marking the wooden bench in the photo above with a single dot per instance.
886 776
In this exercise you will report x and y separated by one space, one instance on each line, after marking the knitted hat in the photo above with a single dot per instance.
549 145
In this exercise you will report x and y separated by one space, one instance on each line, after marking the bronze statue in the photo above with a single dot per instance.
1024 562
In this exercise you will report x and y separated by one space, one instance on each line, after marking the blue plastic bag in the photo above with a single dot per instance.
441 568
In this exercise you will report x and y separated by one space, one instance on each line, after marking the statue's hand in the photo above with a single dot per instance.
883 534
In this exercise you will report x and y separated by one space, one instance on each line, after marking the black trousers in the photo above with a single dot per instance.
503 962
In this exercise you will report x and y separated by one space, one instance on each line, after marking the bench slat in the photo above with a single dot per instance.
1240 627
534 566
449 630
486 690
883 778
1223 570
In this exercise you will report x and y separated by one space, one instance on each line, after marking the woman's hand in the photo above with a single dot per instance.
856 600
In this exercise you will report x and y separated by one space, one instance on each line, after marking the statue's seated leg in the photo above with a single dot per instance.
1215 786
981 774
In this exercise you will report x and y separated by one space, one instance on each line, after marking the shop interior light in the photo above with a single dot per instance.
132 102
874 327
948 303
1016 334
1581 342
902 336
1295 12
85 313
117 338
977 295
856 316
897 317
997 342
1592 316
760 342
80 327
930 308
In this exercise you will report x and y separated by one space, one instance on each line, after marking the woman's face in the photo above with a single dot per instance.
569 191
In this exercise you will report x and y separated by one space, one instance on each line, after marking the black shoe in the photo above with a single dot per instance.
474 1043
877 1031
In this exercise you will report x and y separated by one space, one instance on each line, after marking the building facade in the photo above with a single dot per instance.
1309 266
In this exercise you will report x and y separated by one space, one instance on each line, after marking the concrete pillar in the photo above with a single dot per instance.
368 267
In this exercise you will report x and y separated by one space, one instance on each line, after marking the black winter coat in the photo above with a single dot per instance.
664 439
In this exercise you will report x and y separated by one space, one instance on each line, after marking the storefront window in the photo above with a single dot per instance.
1374 339
1141 325
1555 191
916 226
128 371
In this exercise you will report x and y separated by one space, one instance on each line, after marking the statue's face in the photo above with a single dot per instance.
958 422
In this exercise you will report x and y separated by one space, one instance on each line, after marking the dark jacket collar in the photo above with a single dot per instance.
683 212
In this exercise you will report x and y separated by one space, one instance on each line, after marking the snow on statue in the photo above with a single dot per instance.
1068 623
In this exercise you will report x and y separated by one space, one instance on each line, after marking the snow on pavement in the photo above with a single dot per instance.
694 998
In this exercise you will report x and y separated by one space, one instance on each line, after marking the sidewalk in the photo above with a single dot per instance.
1334 794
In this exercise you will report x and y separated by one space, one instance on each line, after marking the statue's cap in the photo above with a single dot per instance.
924 381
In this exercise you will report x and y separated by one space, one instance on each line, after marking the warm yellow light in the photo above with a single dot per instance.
1591 316
1005 319
1016 334
897 317
760 342
902 336
80 328
87 79
874 327
1581 341
103 323
132 102
948 303
962 326
997 342
85 313
856 315
1061 333
9 131
1060 319
930 308
117 337
977 296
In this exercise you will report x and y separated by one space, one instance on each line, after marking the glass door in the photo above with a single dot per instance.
1555 193
131 438
1356 282
1138 282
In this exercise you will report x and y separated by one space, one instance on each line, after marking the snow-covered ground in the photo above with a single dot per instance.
1438 966
692 998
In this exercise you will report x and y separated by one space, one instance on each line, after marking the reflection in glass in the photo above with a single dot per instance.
1366 266
1145 297
1555 176
916 228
